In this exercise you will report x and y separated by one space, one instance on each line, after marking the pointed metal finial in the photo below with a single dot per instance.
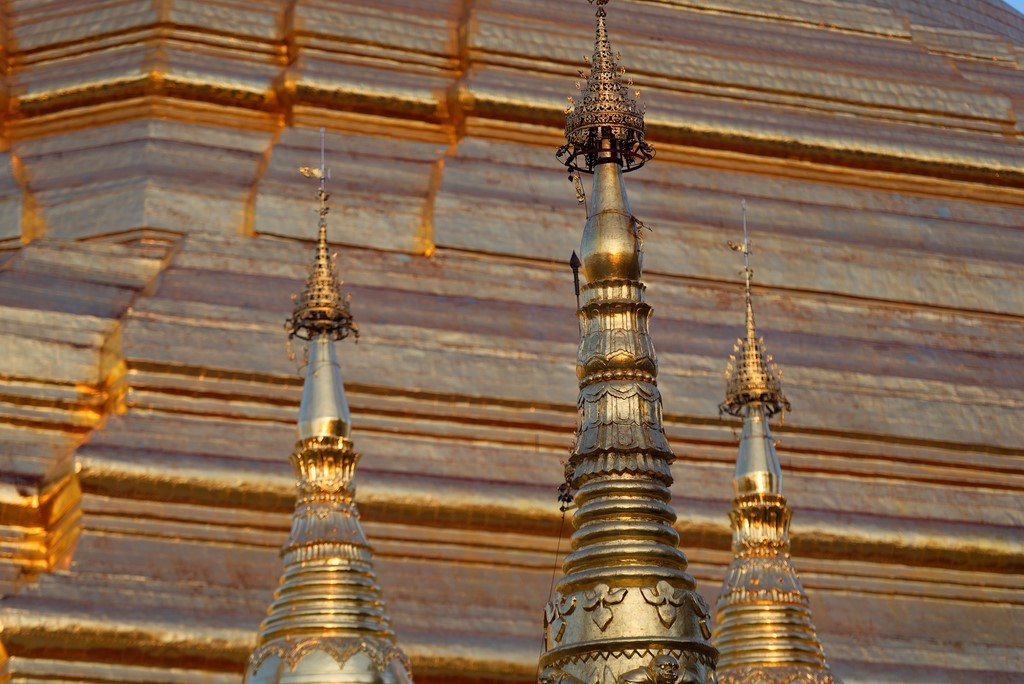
605 123
321 308
752 377
746 250
574 264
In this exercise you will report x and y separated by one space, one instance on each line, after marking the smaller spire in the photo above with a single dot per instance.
605 110
321 308
328 621
765 632
752 376
322 315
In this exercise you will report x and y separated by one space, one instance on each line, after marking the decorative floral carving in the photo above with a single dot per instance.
666 599
598 602
620 417
292 651
703 610
555 612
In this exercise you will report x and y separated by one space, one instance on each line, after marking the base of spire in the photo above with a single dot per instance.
628 663
765 630
340 660
776 675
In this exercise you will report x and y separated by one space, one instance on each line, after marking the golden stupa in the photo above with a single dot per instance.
328 622
153 225
764 628
626 610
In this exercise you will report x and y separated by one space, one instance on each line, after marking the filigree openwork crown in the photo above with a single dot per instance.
605 110
321 308
752 375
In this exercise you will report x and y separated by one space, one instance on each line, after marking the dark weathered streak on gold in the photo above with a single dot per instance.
147 401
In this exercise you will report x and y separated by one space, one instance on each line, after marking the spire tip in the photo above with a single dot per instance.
604 110
753 378
321 308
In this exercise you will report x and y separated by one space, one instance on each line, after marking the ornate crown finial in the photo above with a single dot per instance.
321 308
604 111
752 376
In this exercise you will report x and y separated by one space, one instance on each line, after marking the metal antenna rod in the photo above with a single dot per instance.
746 249
323 175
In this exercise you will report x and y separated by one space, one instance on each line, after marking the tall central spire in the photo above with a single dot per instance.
765 632
626 611
328 622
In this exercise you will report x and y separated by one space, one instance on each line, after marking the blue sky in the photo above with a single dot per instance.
1016 4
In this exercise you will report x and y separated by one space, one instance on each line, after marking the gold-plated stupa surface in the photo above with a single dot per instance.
625 610
328 622
152 228
764 630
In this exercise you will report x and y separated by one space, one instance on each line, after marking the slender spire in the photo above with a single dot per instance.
321 308
328 622
626 610
765 632
753 377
